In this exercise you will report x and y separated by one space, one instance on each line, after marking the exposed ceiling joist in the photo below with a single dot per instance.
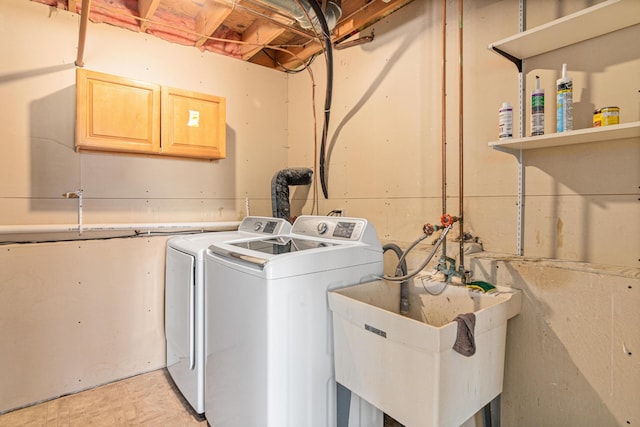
298 55
369 14
237 28
210 18
146 10
257 36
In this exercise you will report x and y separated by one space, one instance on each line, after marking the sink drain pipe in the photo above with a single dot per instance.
401 270
280 183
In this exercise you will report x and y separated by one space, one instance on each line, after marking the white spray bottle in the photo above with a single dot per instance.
537 110
564 100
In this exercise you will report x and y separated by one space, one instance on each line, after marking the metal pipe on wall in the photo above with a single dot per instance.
82 36
60 228
444 116
460 142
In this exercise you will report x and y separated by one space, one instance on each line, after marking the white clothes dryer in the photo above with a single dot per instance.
184 301
269 328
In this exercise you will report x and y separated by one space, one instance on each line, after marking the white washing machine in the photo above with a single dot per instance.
269 332
184 302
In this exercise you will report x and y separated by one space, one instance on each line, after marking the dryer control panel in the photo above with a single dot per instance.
330 227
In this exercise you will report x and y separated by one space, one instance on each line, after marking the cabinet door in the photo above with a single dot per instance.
193 124
116 114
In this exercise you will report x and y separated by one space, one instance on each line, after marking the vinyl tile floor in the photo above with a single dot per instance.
149 399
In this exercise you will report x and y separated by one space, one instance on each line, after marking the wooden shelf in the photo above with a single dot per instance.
588 23
581 136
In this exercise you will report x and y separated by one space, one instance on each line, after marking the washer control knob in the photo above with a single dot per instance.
257 226
322 228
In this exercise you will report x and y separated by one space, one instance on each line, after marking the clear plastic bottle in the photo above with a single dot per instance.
505 121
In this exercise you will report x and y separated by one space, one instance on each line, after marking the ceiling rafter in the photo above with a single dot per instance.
210 18
146 10
257 36
236 28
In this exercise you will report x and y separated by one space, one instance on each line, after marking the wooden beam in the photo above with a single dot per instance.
305 53
146 9
72 6
258 35
365 17
210 17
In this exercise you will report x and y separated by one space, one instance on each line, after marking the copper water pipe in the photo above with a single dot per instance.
444 116
84 18
460 145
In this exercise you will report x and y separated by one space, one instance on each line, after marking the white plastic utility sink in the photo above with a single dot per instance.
406 365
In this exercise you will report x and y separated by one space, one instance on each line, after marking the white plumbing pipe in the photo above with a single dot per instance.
79 211
76 195
147 227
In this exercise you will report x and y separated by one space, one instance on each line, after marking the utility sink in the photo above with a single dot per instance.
406 365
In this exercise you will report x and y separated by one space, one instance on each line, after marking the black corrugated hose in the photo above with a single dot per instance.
327 101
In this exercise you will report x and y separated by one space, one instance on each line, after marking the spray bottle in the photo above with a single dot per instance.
537 110
505 121
564 99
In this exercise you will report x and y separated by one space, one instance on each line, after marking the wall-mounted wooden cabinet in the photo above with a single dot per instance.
128 116
193 124
116 114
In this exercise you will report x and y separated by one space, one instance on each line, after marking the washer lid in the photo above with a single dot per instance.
273 247
282 245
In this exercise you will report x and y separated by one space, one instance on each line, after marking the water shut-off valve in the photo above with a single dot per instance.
446 220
